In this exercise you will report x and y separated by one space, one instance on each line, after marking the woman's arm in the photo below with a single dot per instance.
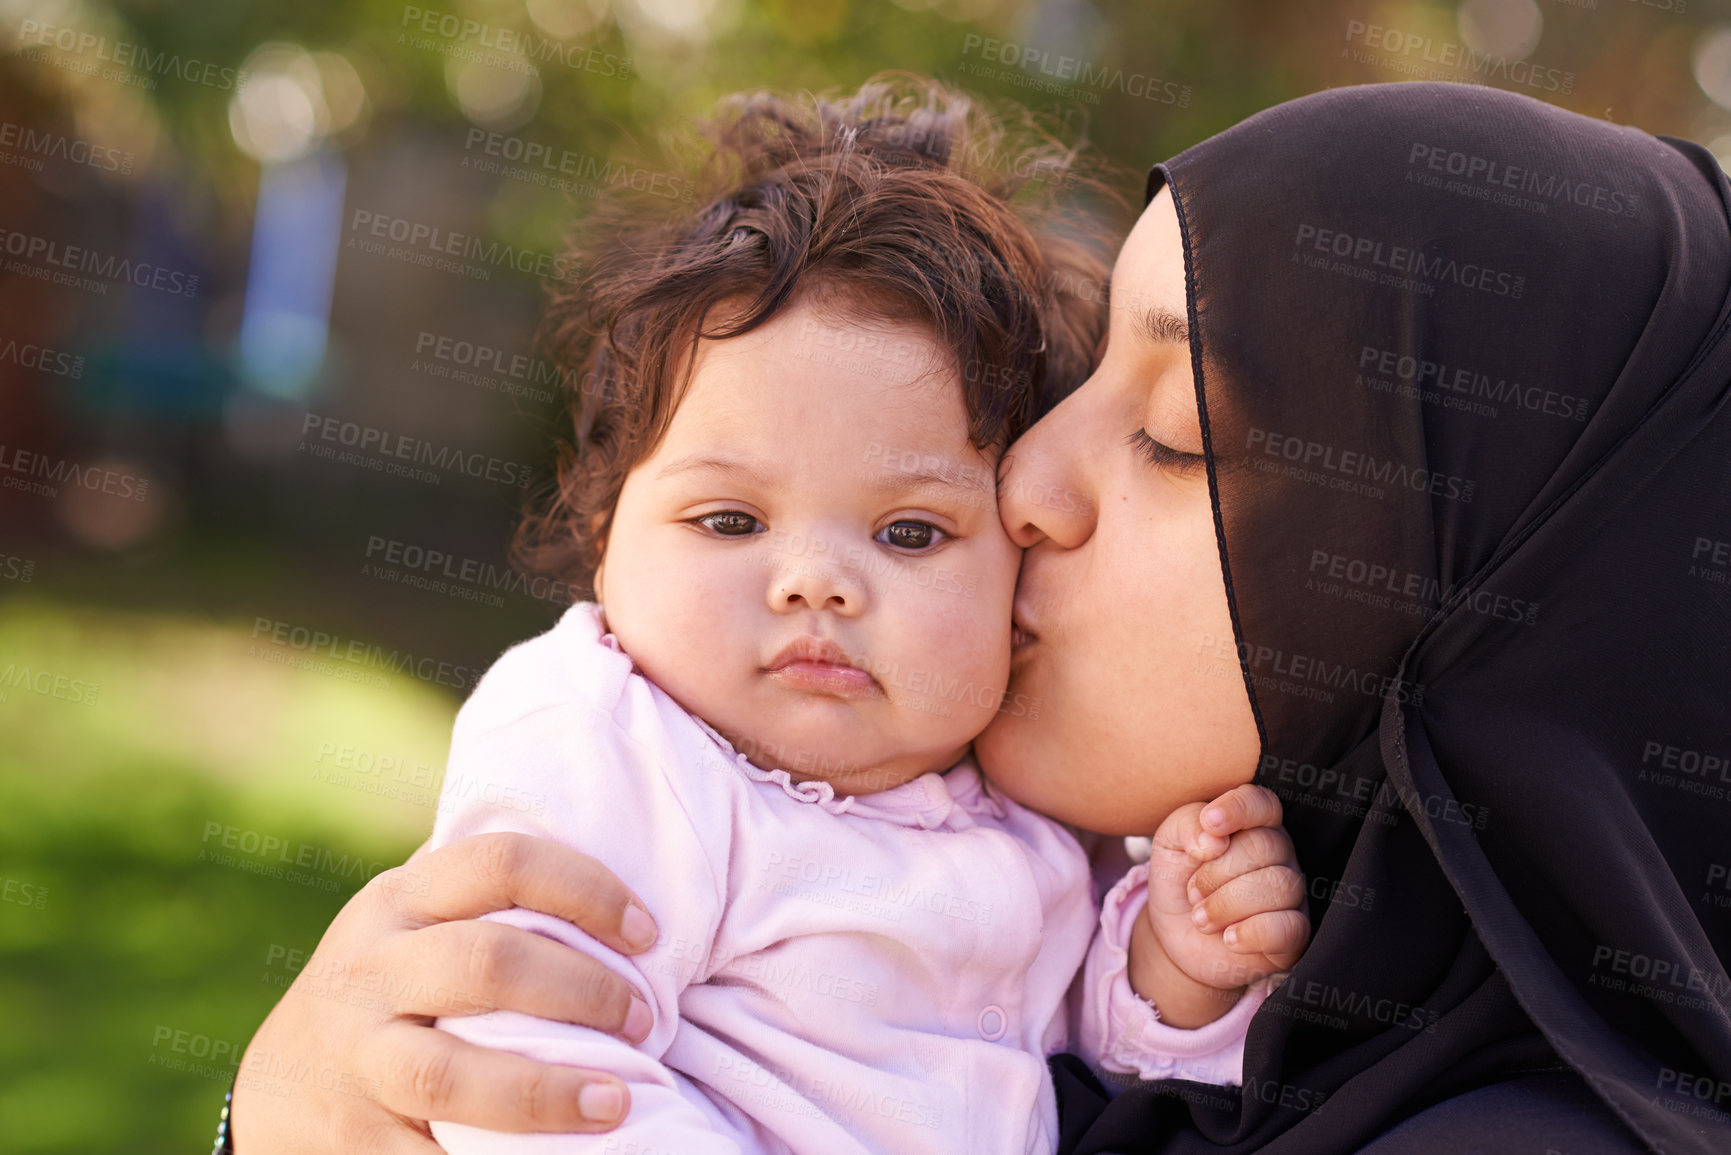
349 1061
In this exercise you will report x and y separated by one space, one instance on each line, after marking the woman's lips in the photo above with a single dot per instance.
1021 637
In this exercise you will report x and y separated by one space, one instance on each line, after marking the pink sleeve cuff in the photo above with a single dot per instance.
1121 1032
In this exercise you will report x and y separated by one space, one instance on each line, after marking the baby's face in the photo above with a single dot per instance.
811 561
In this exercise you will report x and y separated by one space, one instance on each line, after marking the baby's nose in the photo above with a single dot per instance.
805 582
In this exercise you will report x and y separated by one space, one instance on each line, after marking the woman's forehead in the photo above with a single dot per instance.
1148 277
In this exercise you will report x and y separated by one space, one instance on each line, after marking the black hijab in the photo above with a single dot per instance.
1463 367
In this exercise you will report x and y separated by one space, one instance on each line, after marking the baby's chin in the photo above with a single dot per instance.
850 760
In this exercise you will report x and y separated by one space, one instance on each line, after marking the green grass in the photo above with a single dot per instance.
129 931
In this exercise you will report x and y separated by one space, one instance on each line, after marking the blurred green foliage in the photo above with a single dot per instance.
125 920
1626 61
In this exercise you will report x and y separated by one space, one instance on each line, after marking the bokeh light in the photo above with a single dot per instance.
1720 147
344 94
500 92
695 21
1713 65
1501 29
566 19
281 112
122 519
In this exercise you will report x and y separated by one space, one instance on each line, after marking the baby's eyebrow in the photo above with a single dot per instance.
968 479
890 480
724 466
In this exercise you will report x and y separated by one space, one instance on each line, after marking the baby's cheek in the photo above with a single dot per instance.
684 648
978 658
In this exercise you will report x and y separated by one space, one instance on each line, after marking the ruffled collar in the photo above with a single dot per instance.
929 802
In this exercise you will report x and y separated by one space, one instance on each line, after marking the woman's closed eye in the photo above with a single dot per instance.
1163 456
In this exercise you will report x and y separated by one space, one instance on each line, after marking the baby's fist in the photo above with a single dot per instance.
1226 902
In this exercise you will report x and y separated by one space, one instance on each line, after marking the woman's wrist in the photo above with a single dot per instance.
224 1144
1181 1001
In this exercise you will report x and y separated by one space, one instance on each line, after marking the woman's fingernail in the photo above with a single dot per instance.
637 928
1214 816
1199 916
601 1102
638 1020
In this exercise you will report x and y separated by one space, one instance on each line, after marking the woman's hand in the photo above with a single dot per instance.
349 1060
1226 907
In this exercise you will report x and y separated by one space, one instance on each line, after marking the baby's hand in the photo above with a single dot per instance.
1226 907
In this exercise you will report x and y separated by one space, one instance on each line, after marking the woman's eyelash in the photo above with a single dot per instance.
1163 456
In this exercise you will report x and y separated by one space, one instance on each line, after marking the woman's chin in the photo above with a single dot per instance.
1040 767
1001 750
1011 753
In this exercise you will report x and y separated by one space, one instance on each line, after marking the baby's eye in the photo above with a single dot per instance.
910 534
729 523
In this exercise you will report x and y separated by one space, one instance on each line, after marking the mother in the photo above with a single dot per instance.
1407 498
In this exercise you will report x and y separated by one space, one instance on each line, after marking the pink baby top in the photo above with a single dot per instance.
834 976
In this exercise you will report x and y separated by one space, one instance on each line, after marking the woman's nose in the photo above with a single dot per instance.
1045 488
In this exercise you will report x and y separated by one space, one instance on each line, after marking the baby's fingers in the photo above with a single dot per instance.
1240 808
1273 888
1250 851
1182 837
1280 935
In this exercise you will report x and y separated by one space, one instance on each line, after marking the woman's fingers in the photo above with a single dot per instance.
1279 935
1240 808
1272 888
470 967
487 872
1251 850
348 1060
377 1132
432 1075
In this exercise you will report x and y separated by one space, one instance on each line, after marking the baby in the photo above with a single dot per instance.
785 492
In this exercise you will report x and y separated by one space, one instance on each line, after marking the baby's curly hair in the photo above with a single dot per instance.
904 201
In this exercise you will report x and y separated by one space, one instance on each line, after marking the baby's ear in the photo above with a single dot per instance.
600 569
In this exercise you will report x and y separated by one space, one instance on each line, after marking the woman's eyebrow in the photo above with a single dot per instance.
1155 323
1161 325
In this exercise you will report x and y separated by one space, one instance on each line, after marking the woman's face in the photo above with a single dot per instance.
1132 711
